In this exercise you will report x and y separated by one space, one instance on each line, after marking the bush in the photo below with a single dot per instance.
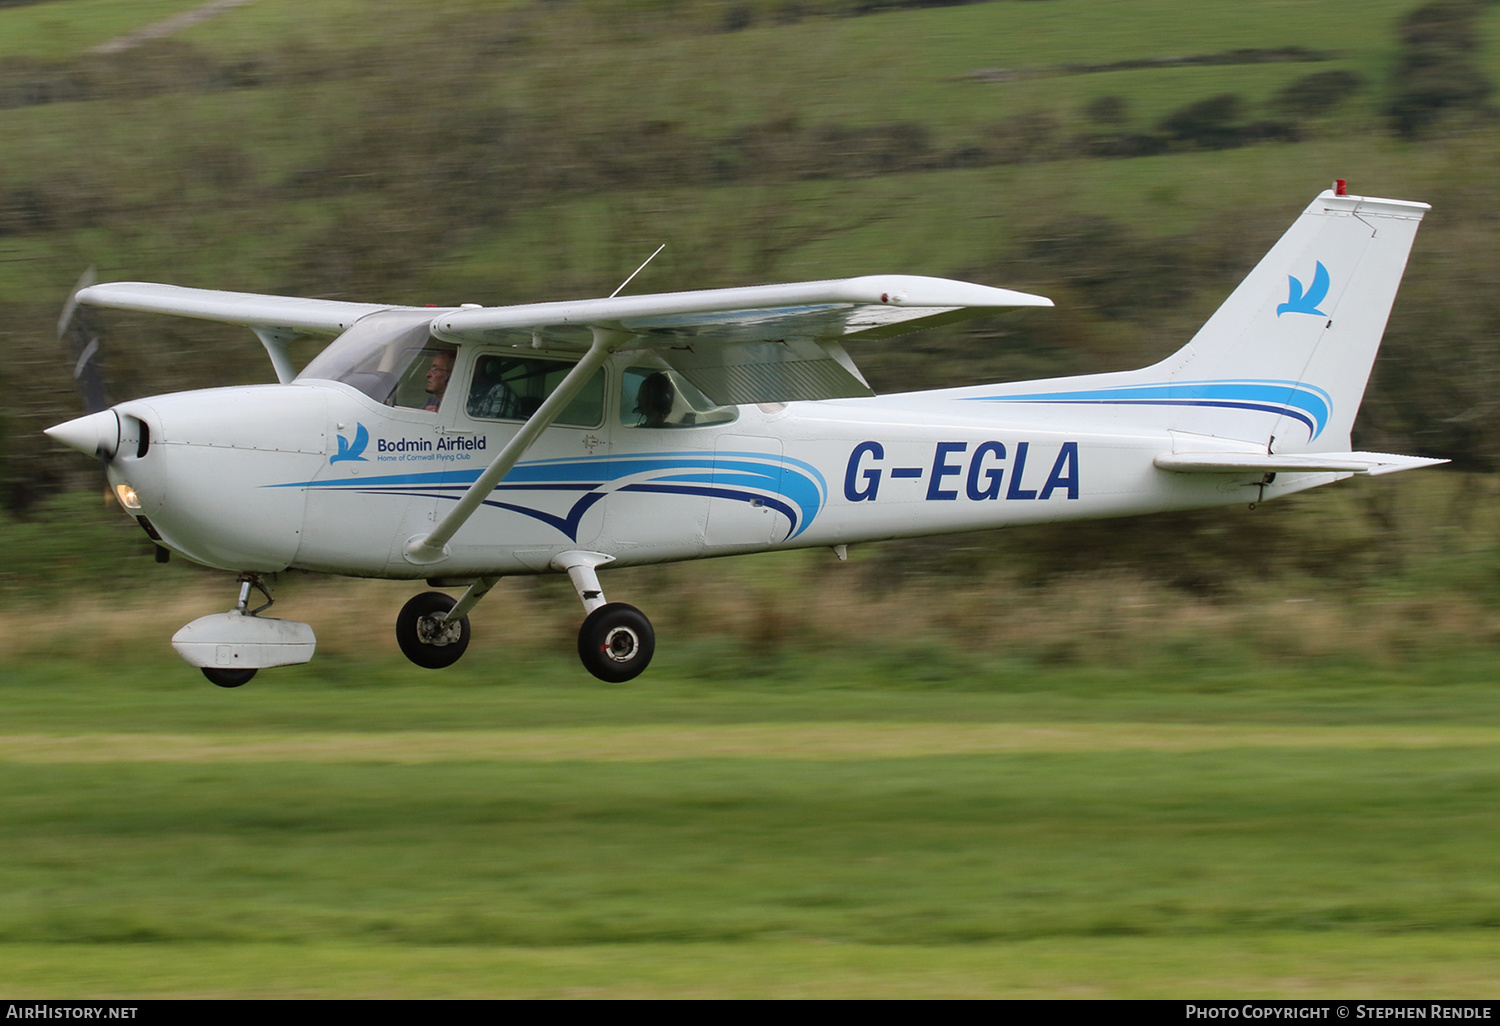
1318 93
1435 74
1211 124
1108 110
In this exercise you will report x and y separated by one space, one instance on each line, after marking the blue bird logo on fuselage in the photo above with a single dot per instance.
355 451
1297 302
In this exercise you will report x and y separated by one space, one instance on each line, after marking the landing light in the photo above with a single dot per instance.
127 496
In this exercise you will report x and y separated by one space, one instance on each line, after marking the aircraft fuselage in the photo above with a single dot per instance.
317 476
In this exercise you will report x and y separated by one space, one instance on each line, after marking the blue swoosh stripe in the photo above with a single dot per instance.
567 525
1306 403
567 469
797 481
721 493
794 487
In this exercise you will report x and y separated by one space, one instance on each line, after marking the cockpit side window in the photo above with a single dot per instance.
655 397
506 387
425 380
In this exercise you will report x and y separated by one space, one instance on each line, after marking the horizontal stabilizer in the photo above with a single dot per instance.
1371 463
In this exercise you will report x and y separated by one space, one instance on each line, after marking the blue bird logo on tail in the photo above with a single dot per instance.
355 451
1297 302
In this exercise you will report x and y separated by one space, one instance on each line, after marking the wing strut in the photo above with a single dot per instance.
276 340
433 548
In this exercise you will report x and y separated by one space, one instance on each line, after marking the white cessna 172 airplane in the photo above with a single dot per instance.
460 445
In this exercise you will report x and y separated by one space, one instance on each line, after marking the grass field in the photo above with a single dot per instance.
509 827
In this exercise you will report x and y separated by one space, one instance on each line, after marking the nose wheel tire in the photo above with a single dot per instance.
425 637
616 642
227 678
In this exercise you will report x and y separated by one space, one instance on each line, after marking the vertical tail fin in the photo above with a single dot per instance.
1299 335
1287 356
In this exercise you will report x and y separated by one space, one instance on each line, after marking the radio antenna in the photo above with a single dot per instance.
638 270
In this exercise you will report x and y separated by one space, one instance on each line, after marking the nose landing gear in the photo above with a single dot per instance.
227 678
230 647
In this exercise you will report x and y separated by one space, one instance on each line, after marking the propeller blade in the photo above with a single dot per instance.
75 330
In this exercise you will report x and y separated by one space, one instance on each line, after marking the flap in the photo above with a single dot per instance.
782 371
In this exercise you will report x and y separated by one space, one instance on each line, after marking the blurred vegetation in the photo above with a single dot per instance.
536 149
1436 75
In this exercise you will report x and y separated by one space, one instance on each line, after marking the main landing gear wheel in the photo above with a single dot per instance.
227 678
616 642
427 639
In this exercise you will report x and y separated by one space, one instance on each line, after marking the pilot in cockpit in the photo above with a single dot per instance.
437 378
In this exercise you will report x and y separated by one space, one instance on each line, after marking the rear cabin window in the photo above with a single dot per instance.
508 387
652 397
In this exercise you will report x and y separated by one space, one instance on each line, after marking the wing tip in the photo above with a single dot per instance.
919 290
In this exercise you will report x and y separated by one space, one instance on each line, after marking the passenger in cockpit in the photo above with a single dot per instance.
654 400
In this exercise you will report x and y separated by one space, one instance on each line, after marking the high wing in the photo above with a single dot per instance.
764 343
761 344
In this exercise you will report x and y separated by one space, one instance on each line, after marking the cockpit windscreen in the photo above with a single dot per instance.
386 356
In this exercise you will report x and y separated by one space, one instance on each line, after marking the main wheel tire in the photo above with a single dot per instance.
429 642
616 642
227 678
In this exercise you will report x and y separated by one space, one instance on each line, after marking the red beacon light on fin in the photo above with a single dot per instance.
1340 187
